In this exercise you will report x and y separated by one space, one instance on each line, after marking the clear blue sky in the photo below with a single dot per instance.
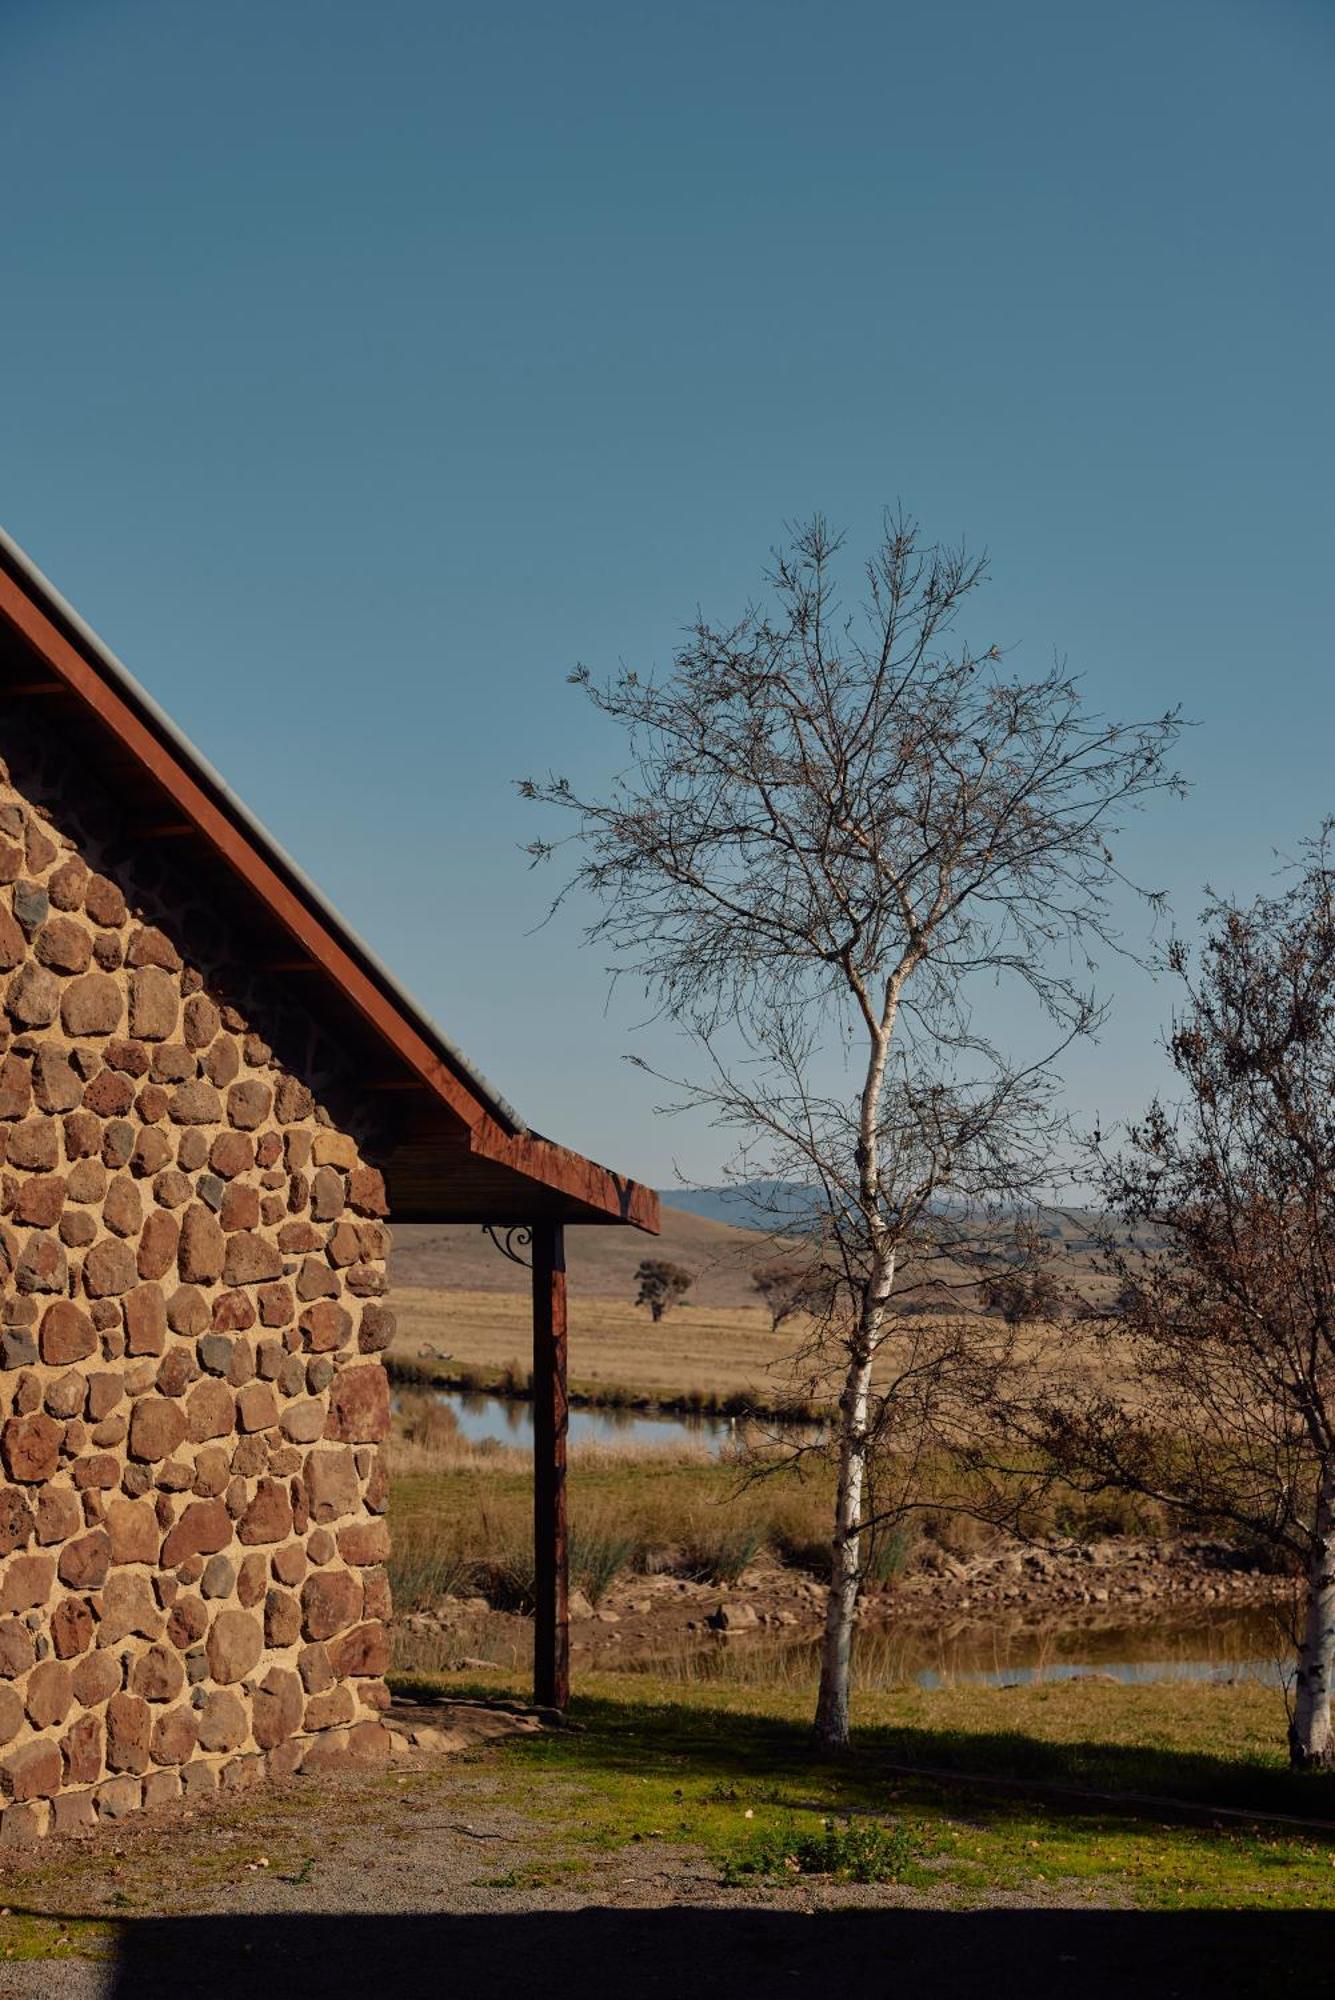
363 368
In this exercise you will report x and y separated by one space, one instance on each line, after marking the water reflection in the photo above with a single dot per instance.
1222 1646
505 1420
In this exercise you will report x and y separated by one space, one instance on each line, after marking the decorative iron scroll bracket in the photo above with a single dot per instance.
515 1241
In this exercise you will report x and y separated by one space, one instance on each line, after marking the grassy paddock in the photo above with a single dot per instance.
730 1770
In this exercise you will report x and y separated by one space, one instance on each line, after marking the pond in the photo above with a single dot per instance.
1218 1646
506 1420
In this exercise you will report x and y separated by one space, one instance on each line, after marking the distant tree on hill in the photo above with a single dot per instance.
662 1285
842 843
789 1288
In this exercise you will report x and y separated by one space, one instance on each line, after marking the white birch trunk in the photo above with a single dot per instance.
831 1725
1310 1739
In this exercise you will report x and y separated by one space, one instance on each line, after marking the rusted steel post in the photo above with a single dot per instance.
551 1567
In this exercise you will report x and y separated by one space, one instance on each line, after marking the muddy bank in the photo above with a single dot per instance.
1009 1590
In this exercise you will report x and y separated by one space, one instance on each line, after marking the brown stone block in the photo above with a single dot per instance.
157 1427
364 1542
331 1483
359 1405
251 1260
257 1407
95 1677
64 945
210 1410
234 1645
330 1601
154 1005
42 1265
123 1208
366 1191
132 1526
34 1771
328 1195
248 1104
73 1812
30 1448
17 1652
362 1650
129 1725
202 1244
109 1270
366 1746
81 1749
375 1594
223 1722
175 1736
330 1710
376 1330
110 1096
157 1245
145 1312
119 1798
34 1145
240 1207
39 1201
101 1471
26 1582
157 1675
16 1522
316 1280
282 1619
303 1421
128 1606
325 1327
203 1529
11 1714
268 1518
161 1788
84 1563
276 1708
276 1305
48 1695
33 999
195 1103
71 1628
15 1088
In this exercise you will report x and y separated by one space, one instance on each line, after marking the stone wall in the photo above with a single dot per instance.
192 1262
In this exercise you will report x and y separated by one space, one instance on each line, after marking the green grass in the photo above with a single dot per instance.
730 1771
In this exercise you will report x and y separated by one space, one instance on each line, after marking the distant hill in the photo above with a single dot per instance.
760 1205
708 1238
764 1205
602 1262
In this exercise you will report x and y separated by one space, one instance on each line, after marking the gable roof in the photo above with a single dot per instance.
464 1154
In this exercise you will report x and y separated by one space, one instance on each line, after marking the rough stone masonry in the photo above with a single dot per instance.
192 1264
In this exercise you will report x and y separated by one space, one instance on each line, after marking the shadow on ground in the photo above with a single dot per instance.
695 1952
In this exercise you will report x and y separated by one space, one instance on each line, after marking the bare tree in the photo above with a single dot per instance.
1217 1392
840 837
662 1285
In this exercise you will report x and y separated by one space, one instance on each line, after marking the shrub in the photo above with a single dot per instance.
849 1850
717 1551
425 1566
598 1554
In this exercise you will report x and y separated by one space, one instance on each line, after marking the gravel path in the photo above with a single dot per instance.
398 1887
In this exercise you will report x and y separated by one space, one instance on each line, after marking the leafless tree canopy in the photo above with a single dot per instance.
844 844
1224 1332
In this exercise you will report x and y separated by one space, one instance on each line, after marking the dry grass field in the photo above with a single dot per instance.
713 1349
